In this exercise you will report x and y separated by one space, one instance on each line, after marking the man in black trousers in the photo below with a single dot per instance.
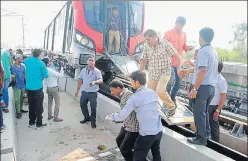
130 129
36 71
90 78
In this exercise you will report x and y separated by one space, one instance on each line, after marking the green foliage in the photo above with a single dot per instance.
240 40
223 55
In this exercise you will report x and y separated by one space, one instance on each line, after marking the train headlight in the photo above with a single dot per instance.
84 40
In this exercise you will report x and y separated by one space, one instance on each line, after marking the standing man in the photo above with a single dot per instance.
130 129
145 103
2 104
159 53
18 73
217 103
36 71
52 91
90 78
11 55
6 62
204 80
177 38
114 30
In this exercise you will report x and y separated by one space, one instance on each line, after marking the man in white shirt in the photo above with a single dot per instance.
217 103
53 91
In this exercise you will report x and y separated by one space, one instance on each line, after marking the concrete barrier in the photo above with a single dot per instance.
8 137
173 145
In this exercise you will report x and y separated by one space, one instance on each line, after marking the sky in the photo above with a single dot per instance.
159 15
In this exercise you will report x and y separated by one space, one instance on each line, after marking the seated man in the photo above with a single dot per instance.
145 103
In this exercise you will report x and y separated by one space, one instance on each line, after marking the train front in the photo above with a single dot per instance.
92 34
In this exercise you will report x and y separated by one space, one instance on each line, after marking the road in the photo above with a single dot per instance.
58 139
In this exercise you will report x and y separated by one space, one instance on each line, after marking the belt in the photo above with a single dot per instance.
53 87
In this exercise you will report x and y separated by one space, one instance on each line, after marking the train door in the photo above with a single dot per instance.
108 16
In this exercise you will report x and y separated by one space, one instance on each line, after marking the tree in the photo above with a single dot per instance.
240 39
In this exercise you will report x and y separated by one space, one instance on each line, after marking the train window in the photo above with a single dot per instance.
136 18
70 29
58 24
50 41
93 12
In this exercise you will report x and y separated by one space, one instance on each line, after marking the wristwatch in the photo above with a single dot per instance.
217 110
194 89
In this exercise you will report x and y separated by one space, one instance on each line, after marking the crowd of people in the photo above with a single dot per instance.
142 127
26 79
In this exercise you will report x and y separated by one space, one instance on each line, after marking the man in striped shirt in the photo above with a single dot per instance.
130 129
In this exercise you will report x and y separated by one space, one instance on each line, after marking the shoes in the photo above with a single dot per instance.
85 120
2 129
171 112
50 117
40 126
6 110
57 119
19 115
24 111
93 125
196 141
31 125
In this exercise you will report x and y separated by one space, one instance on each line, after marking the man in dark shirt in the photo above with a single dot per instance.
114 30
130 129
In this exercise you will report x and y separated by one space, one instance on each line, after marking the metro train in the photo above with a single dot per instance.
80 29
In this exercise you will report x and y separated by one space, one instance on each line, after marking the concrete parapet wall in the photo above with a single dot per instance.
8 137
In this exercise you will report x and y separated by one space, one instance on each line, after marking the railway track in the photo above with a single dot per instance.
227 122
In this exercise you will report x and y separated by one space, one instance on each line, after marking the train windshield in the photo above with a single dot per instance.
136 18
95 15
126 63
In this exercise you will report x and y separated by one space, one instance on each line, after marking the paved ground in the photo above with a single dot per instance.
59 139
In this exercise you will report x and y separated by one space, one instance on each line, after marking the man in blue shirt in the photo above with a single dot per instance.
18 73
204 80
145 103
90 78
36 71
